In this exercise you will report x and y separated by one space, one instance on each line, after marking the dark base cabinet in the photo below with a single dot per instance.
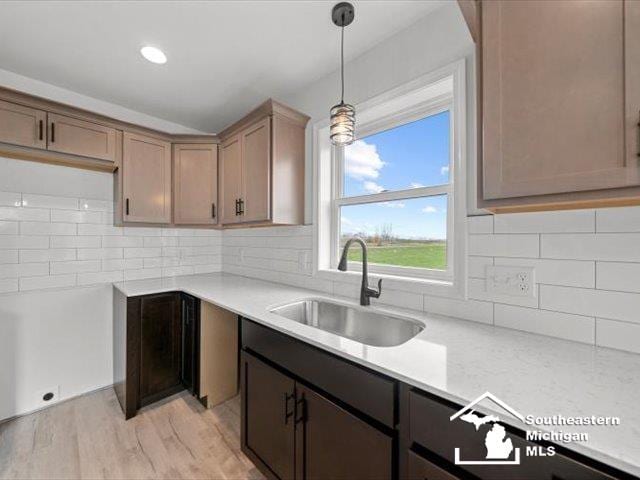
291 429
308 414
156 347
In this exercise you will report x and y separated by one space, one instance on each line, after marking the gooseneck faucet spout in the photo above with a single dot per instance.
365 292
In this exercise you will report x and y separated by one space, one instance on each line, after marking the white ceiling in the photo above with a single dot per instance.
224 57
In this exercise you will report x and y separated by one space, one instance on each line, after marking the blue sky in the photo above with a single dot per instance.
409 156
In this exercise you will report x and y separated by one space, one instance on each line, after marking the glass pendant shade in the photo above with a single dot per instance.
343 124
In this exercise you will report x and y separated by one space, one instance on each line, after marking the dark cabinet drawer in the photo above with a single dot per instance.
431 428
366 391
421 469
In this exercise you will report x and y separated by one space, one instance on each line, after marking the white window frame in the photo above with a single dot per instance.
441 90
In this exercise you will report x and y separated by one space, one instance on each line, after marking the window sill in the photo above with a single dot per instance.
424 286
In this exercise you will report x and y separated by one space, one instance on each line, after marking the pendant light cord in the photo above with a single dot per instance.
342 60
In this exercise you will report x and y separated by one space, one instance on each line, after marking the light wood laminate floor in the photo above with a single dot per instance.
88 438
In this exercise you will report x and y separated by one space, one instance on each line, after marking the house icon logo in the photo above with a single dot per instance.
500 450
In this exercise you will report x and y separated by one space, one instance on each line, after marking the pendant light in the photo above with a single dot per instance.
343 115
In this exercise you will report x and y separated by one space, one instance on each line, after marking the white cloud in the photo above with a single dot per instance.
415 185
394 204
346 221
362 160
444 170
429 209
372 187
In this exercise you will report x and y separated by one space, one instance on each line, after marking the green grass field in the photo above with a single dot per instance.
421 255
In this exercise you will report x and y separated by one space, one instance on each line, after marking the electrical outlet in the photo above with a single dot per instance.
514 281
48 396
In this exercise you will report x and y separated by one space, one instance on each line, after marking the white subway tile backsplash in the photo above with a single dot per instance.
158 262
176 271
214 267
142 274
53 255
566 221
480 224
624 247
60 241
590 302
624 277
24 214
572 273
20 241
122 264
10 199
93 229
76 266
24 270
76 216
95 205
160 241
474 310
504 245
142 252
9 285
143 231
42 228
543 322
111 241
53 281
9 228
48 201
621 219
99 253
8 256
620 335
477 266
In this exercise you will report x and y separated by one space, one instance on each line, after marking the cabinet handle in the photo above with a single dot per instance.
241 207
287 413
40 130
53 132
638 135
126 206
213 210
237 207
303 410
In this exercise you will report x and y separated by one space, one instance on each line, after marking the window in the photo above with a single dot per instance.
399 186
394 194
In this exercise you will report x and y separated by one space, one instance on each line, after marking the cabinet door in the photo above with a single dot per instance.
268 423
77 137
422 469
160 346
553 98
146 179
256 171
632 80
195 184
333 443
231 179
22 125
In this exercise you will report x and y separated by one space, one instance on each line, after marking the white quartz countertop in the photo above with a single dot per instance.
460 360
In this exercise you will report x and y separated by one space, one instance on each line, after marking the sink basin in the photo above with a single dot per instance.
360 324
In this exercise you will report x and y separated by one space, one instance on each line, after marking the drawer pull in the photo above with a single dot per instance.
40 130
53 132
213 210
126 206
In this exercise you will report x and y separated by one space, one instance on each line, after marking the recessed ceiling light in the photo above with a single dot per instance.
153 54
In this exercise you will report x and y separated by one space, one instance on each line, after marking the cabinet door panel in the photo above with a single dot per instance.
77 137
146 179
195 177
422 469
553 98
230 179
632 80
268 433
332 443
256 171
22 125
160 345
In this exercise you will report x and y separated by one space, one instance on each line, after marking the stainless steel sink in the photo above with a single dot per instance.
359 324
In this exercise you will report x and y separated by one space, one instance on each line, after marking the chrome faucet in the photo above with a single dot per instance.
365 291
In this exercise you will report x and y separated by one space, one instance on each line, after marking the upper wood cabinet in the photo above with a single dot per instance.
22 125
78 137
262 167
560 99
195 184
146 179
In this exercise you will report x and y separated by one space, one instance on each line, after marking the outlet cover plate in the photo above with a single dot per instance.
513 281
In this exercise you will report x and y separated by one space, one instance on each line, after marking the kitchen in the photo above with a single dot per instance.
370 245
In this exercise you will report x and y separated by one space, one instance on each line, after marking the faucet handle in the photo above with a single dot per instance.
376 294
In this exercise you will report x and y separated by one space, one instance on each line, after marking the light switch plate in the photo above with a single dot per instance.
514 281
